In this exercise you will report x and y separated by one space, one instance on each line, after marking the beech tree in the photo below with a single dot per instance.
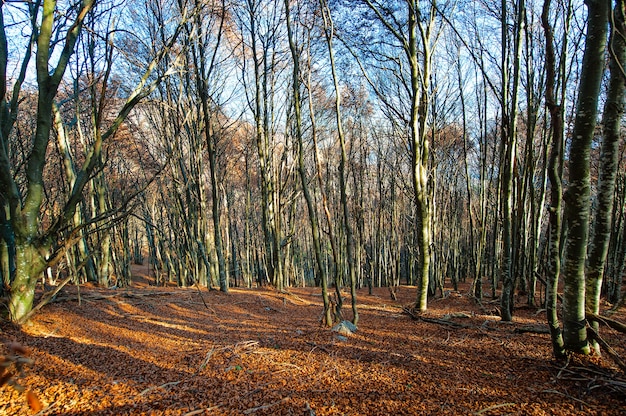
577 195
260 22
555 104
30 238
609 162
26 247
416 37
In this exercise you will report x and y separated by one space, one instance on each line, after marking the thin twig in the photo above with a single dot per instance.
495 406
568 396
265 406
605 345
162 386
201 411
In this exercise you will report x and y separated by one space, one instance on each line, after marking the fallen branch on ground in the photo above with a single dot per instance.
496 406
611 323
418 317
612 353
532 329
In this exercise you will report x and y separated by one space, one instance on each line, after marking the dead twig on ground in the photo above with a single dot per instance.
419 317
569 396
201 411
265 406
162 386
494 407
605 346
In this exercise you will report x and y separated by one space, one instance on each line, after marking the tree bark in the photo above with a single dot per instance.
609 160
577 196
555 174
329 32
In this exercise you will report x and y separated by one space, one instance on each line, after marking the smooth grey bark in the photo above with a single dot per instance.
203 74
577 196
609 160
419 32
509 147
261 103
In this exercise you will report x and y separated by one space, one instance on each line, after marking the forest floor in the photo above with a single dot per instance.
145 350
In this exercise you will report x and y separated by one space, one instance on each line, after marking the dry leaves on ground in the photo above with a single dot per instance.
160 351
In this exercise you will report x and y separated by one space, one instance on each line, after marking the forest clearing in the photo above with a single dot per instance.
149 350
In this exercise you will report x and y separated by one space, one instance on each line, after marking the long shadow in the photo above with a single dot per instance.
84 362
86 368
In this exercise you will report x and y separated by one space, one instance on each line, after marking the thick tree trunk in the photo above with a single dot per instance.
30 264
609 159
577 203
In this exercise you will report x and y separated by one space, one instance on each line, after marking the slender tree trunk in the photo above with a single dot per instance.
329 31
420 94
555 173
313 219
202 74
509 143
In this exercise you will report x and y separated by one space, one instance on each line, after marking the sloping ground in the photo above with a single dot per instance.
161 351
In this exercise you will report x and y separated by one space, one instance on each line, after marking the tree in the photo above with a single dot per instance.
260 33
205 65
417 38
609 162
313 218
329 34
28 247
508 138
577 196
32 243
555 172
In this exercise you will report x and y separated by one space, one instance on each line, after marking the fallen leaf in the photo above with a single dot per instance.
33 401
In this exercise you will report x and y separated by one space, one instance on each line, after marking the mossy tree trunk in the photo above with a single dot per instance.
609 160
32 242
555 174
577 196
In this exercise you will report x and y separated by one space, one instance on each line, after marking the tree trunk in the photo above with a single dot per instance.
329 31
555 173
609 160
30 264
577 197
313 218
